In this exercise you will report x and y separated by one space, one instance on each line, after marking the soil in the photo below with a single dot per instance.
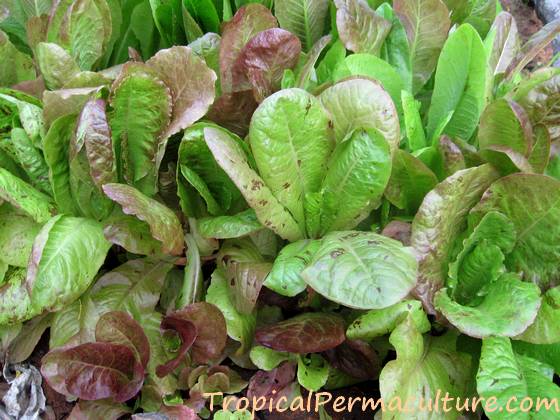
527 23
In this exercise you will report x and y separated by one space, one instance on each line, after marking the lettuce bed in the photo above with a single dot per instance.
320 193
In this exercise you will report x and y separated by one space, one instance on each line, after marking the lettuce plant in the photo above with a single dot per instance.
322 193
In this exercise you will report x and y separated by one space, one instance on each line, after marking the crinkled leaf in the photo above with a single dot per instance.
141 105
191 83
504 375
361 103
426 24
508 307
23 196
290 141
58 103
163 223
357 175
304 18
481 260
94 371
306 333
459 86
439 220
532 203
66 255
360 28
361 270
273 384
423 367
231 157
31 159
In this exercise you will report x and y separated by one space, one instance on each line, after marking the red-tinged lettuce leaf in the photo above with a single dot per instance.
234 110
440 219
540 155
94 371
360 28
263 60
246 280
246 23
232 159
304 18
58 103
426 23
355 358
132 234
505 43
105 409
191 83
210 325
141 112
93 132
118 327
505 123
533 46
541 104
187 332
272 384
164 224
307 333
66 256
532 203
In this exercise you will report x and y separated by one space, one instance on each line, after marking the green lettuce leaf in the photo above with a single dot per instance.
361 270
305 18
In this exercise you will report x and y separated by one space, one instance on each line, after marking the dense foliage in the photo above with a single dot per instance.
323 192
